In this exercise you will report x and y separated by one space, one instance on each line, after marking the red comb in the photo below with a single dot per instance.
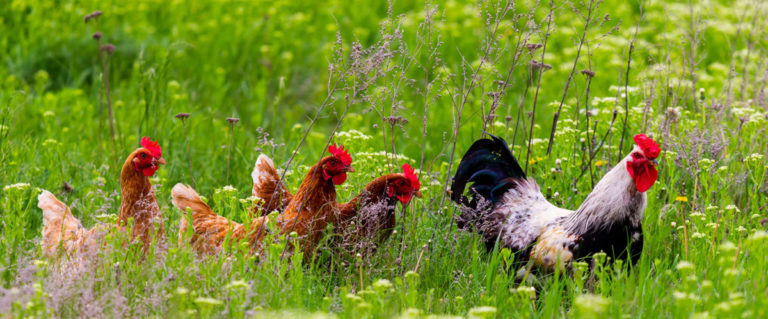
341 153
650 147
152 147
410 174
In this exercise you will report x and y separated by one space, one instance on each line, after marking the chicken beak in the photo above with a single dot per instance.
349 169
417 194
655 163
160 160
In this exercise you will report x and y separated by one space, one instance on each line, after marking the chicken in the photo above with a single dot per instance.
307 213
372 211
61 228
314 205
268 187
508 209
210 229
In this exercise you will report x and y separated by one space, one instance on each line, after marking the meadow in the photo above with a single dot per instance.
401 82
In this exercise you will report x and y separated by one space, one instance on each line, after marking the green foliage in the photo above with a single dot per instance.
696 83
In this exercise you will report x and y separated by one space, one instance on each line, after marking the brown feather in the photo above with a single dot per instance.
139 203
311 209
268 187
209 229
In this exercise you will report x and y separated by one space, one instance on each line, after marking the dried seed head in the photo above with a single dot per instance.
97 35
232 120
396 120
588 73
67 187
743 119
508 118
109 48
92 15
536 65
533 46
673 113
182 115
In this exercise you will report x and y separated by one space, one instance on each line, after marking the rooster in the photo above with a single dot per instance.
376 201
61 228
508 209
307 213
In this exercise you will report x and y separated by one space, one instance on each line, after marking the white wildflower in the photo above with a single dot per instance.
17 186
354 298
684 267
526 291
697 215
755 158
208 301
238 284
705 163
590 306
758 236
482 312
727 248
353 135
382 285
50 142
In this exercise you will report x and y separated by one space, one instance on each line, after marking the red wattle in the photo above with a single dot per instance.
149 171
644 174
404 198
339 179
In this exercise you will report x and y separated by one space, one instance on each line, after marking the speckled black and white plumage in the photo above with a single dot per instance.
508 209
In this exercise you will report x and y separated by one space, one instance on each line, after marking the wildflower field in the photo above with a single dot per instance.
566 83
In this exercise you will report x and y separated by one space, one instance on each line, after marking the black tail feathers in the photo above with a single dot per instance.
492 168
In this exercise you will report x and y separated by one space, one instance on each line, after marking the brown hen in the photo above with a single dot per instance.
62 229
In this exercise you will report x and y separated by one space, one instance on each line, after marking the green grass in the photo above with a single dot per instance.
267 63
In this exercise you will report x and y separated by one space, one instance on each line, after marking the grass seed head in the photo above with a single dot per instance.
109 48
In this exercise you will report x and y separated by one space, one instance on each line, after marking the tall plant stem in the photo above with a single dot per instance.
570 77
538 81
626 90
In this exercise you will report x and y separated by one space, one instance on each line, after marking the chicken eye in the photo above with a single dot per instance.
636 155
142 155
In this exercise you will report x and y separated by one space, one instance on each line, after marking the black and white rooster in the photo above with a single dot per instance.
507 207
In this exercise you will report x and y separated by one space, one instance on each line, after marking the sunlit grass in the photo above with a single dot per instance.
267 64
